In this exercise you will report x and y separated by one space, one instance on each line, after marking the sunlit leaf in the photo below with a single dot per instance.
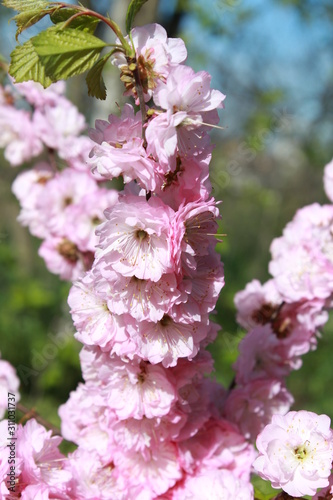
84 22
28 18
67 52
26 65
26 5
132 11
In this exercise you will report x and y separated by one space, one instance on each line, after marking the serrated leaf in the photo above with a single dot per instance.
26 65
28 18
67 52
26 5
132 11
84 22
94 79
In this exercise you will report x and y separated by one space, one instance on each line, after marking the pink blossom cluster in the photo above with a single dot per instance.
283 318
160 428
142 310
31 465
61 201
173 157
142 431
146 421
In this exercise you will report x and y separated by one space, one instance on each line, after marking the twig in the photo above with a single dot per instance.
31 413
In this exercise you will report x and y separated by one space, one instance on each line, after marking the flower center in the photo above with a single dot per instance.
143 373
96 221
68 250
301 452
67 201
141 235
271 314
165 321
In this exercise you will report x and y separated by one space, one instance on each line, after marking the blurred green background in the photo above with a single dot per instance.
273 60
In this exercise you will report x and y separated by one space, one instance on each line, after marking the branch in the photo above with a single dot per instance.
31 413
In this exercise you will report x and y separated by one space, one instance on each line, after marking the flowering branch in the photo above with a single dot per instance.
146 277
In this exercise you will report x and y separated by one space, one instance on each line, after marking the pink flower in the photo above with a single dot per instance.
9 383
18 136
217 445
328 180
187 181
156 54
92 479
140 435
136 239
149 474
190 106
138 389
143 299
302 262
82 218
195 369
38 96
170 133
251 407
294 324
65 189
257 303
161 135
166 341
195 223
193 232
199 401
95 324
188 91
28 187
75 151
62 257
131 388
87 421
121 151
55 123
296 452
41 459
37 492
259 357
204 285
214 484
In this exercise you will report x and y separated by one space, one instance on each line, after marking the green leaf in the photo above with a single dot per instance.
263 489
132 11
67 52
84 22
26 5
26 65
28 18
94 79
258 495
